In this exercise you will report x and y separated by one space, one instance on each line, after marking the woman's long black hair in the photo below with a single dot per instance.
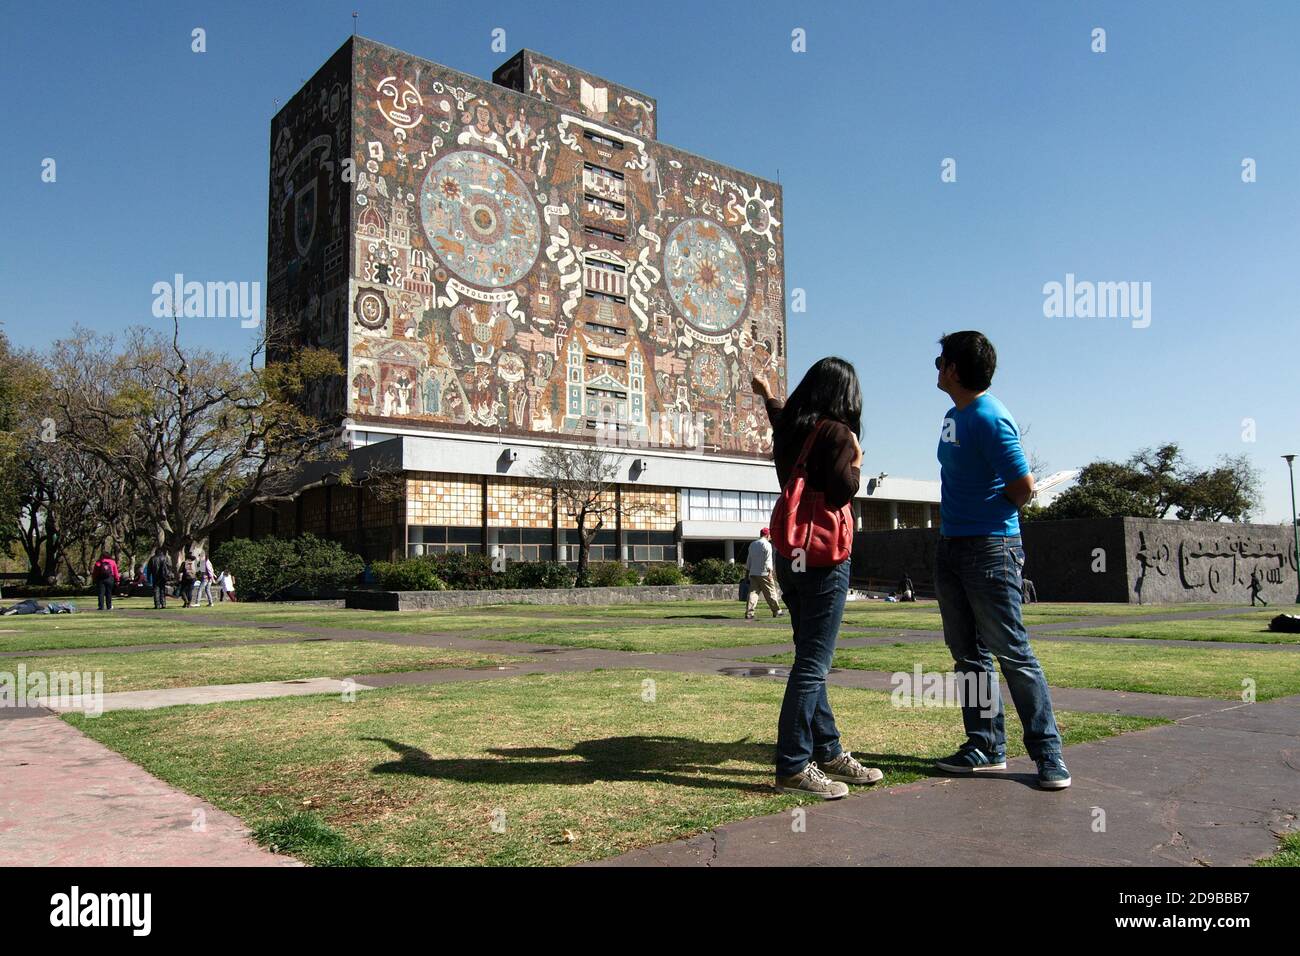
830 389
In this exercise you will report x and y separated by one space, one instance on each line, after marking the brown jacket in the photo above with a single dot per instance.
830 461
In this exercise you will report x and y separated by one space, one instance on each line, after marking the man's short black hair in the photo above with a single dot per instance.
974 356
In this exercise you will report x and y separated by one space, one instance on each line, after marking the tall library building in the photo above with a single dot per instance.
506 266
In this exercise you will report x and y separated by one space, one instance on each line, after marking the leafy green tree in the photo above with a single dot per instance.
1154 482
1229 490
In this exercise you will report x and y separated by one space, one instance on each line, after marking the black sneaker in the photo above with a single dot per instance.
971 760
1052 772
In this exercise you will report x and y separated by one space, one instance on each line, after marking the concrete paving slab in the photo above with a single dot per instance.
1164 804
66 800
211 694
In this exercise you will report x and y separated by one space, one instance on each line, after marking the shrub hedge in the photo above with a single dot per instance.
270 568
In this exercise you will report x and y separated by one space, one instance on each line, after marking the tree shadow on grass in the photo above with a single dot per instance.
674 760
700 617
680 761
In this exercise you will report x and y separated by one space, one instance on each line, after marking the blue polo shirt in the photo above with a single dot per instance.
979 455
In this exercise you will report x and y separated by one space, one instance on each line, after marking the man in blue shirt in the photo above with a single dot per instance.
979 565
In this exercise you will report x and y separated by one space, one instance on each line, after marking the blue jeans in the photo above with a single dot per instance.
806 729
978 582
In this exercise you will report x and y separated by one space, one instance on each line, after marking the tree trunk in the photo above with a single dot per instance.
32 541
584 545
585 538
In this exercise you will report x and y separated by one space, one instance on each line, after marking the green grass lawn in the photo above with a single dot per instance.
1184 671
152 670
577 766
924 616
564 631
921 616
661 610
1288 853
55 632
650 638
1245 628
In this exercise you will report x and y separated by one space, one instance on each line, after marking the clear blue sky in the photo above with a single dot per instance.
1124 165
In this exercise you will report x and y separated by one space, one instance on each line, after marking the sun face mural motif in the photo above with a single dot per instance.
706 275
480 218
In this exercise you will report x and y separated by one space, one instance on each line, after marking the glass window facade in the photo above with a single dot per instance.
708 505
440 539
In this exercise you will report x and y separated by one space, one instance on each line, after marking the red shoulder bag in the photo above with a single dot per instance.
803 522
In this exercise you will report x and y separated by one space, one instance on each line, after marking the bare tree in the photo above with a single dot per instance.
190 434
584 480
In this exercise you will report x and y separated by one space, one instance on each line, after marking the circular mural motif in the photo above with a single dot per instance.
706 275
480 219
371 308
758 215
708 374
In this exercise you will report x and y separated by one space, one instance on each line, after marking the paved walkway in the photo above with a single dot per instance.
66 800
1212 788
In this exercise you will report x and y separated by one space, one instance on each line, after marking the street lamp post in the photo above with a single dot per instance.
1295 523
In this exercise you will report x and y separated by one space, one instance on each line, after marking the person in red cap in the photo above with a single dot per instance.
761 580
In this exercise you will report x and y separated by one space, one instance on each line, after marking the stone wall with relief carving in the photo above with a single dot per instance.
1116 560
1209 561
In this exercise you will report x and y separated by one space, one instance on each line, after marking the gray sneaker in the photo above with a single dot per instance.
845 768
812 782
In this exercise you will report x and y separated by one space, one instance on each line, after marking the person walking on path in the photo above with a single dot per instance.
160 573
206 576
979 567
106 576
818 426
1028 593
1256 586
188 580
758 565
227 586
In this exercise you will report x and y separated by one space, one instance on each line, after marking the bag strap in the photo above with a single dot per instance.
807 445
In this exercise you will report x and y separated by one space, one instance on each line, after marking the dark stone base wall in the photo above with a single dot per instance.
1114 560
641 594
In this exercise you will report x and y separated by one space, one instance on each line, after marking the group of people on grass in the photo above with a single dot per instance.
192 581
978 573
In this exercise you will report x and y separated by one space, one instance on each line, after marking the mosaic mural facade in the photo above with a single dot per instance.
309 220
524 257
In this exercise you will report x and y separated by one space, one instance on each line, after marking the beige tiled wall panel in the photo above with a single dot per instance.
649 509
439 499
606 501
518 503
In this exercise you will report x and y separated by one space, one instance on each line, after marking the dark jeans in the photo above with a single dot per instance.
104 586
806 729
978 583
160 595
